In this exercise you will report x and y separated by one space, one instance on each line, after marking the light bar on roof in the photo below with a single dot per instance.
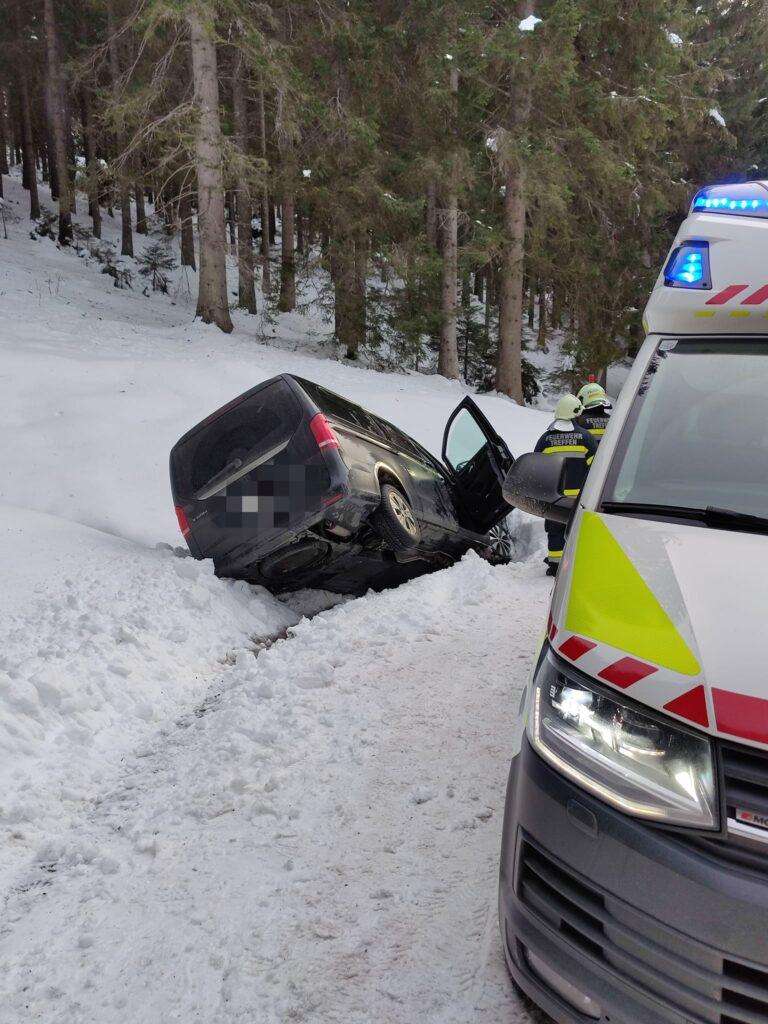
746 199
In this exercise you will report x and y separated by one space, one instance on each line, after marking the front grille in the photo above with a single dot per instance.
680 975
745 788
745 779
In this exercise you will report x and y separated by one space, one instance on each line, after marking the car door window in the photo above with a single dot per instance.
465 439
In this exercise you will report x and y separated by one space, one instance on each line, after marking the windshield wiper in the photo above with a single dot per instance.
217 480
730 517
722 518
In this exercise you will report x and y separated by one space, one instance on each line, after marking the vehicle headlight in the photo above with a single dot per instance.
633 761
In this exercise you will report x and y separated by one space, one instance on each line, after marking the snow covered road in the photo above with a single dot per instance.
316 841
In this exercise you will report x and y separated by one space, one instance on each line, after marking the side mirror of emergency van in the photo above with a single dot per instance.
545 485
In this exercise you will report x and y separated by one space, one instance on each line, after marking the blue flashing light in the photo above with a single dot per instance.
688 267
744 199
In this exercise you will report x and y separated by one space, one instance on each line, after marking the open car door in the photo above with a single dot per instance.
480 461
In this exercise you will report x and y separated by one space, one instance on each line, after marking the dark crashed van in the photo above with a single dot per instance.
292 486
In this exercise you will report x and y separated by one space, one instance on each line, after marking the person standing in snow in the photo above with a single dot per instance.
597 409
565 436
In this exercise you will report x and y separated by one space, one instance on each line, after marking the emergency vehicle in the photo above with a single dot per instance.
634 865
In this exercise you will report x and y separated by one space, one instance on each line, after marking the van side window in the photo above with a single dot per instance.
339 408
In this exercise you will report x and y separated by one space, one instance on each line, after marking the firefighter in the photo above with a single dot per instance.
597 409
565 436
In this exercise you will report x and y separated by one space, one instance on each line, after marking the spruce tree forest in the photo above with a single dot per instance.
461 178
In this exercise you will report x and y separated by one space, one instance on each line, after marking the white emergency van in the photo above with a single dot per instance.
634 868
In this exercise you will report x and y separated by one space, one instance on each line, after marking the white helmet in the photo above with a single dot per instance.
568 408
593 394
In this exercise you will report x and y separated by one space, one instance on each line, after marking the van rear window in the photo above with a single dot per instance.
247 430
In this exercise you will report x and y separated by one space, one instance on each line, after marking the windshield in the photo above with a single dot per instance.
697 434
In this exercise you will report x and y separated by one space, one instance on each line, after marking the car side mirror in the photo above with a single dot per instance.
545 485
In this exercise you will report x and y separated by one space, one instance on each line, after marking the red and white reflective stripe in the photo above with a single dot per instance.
727 294
761 295
625 672
551 628
738 714
691 705
755 298
575 646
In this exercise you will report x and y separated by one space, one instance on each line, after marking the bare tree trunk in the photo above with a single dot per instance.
141 210
212 305
29 163
187 231
28 144
557 309
58 119
448 359
347 274
509 370
126 230
229 209
91 163
541 337
266 276
287 300
300 232
360 293
431 216
4 168
532 286
245 285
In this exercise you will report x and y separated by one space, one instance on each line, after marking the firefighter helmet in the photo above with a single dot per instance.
593 394
568 408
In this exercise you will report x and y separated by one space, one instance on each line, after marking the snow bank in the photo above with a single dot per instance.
321 845
101 640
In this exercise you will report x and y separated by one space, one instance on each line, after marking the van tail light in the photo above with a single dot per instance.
323 432
181 515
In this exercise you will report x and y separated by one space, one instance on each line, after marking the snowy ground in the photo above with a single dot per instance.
316 840
197 825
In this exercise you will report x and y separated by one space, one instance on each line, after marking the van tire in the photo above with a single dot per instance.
394 520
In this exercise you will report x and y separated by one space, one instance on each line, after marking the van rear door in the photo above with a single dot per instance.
245 475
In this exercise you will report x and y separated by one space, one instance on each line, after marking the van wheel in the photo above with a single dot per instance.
501 544
394 520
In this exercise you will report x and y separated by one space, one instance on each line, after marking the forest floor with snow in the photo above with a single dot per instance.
215 805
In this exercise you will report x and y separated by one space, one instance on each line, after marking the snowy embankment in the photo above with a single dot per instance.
101 640
318 843
228 844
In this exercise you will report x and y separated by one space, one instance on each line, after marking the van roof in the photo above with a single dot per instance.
715 277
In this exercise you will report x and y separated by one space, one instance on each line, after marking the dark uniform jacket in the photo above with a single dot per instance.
595 420
573 439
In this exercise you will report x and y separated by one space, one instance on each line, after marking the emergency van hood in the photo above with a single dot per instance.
673 614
